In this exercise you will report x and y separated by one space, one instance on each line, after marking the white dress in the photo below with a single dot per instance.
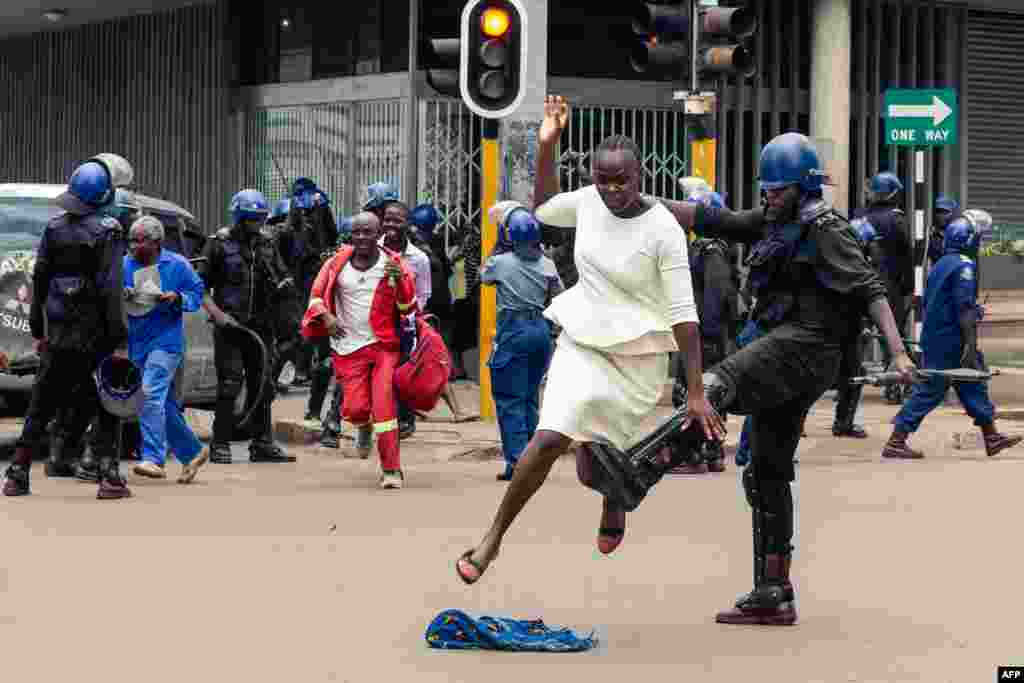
611 360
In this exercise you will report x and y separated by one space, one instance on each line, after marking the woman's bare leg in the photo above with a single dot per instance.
530 472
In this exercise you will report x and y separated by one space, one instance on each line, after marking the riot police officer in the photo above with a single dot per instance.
715 285
245 272
848 395
77 319
810 280
946 209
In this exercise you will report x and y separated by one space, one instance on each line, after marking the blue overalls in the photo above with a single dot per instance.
952 287
522 347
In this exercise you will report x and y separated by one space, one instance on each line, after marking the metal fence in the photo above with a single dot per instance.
343 146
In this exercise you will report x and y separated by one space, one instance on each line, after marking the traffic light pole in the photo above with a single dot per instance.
490 166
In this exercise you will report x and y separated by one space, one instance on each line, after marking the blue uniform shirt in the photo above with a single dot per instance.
952 287
522 285
163 327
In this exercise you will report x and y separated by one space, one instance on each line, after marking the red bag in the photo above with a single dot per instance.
420 381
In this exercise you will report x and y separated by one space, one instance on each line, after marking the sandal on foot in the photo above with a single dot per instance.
468 558
609 538
612 529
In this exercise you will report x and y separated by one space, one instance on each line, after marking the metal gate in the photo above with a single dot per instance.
343 146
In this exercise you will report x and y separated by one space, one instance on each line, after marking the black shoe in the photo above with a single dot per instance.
220 453
58 468
268 452
330 439
16 483
893 395
86 470
853 431
405 430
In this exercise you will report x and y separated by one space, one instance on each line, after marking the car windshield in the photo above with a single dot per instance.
22 221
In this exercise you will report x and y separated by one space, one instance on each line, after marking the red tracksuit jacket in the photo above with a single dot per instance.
388 302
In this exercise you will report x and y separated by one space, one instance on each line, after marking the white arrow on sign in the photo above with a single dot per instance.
938 111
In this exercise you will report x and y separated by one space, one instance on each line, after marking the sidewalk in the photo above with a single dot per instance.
948 431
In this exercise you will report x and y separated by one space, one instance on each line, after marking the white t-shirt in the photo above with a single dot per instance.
634 276
353 296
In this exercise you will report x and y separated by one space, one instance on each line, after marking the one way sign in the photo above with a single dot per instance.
920 118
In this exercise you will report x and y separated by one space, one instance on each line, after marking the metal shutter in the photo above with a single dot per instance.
995 91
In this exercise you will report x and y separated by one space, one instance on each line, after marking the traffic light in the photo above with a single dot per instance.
442 59
493 76
663 38
486 64
720 32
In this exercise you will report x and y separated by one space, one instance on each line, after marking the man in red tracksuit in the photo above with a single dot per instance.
358 299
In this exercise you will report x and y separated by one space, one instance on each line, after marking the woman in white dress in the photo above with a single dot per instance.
632 305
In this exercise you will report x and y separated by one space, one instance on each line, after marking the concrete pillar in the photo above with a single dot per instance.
830 93
519 132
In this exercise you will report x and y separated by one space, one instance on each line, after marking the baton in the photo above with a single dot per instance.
263 375
884 379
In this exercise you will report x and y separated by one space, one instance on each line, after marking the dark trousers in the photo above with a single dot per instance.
65 385
238 358
321 371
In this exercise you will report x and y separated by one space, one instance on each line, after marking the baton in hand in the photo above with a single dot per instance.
885 379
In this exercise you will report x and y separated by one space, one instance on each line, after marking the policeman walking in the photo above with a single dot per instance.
77 318
714 288
810 280
526 282
245 272
946 210
896 263
949 339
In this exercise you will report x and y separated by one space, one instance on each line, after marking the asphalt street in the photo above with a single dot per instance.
905 571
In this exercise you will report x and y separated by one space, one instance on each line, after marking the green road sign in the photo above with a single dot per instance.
920 118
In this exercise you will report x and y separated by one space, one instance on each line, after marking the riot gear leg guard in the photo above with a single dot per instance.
61 461
773 601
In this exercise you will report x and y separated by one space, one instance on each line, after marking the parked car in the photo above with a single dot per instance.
25 210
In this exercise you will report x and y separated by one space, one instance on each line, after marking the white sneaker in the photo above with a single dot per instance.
391 479
150 470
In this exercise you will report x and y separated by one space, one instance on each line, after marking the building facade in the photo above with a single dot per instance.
210 97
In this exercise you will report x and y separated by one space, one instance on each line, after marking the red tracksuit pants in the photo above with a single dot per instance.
368 376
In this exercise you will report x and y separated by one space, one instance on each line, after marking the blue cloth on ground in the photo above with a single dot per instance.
453 629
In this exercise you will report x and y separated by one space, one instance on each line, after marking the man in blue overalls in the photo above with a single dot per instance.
949 339
526 281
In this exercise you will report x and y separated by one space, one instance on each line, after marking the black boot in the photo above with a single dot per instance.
112 485
771 603
220 453
268 451
61 463
87 469
17 478
848 397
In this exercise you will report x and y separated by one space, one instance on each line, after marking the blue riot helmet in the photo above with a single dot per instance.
344 226
307 195
119 383
791 159
961 237
280 211
380 194
883 186
944 203
521 226
865 230
249 205
709 199
89 188
425 217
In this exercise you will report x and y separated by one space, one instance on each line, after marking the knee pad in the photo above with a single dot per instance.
719 391
229 388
